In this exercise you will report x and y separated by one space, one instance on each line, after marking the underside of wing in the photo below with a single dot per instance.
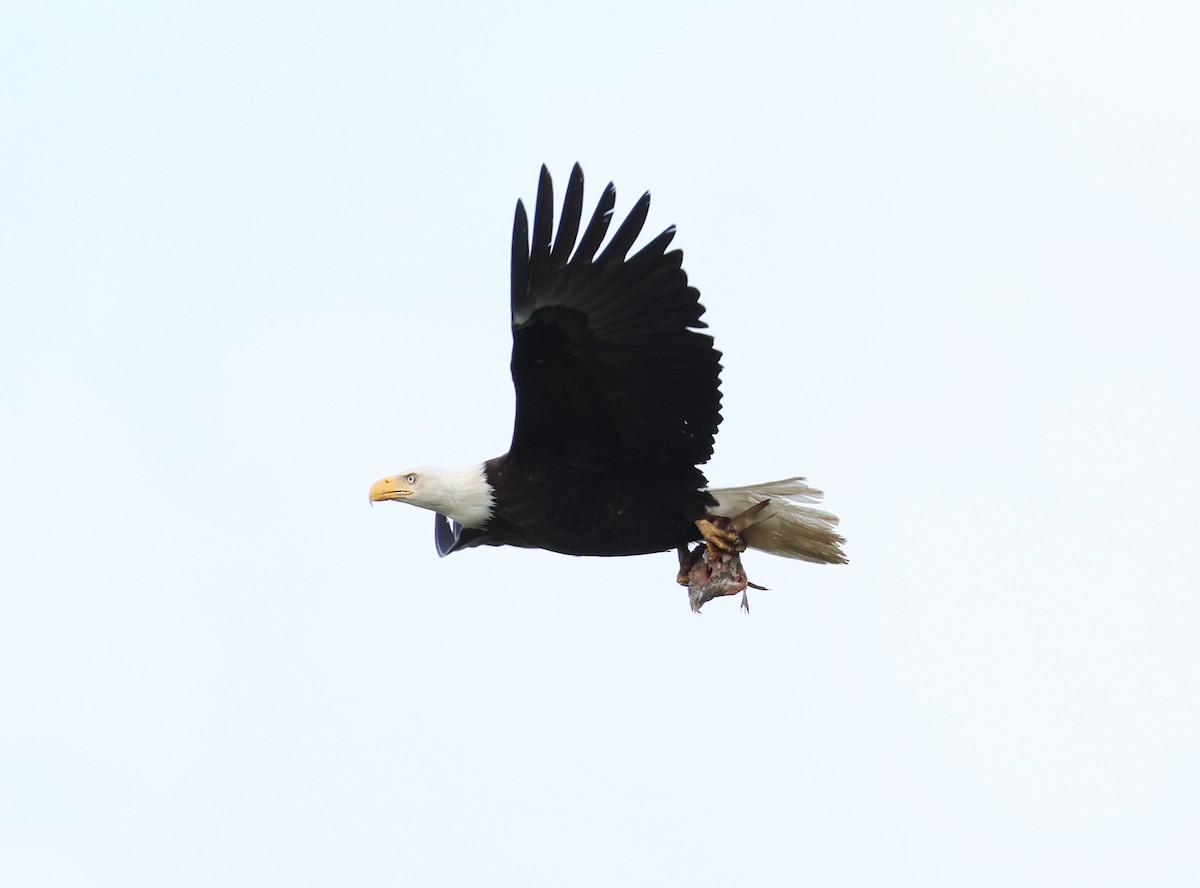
450 536
607 362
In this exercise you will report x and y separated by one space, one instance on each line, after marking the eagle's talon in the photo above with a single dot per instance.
720 536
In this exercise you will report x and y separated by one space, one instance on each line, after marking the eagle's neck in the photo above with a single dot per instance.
465 496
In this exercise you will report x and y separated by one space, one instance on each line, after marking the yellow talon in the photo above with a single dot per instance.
719 537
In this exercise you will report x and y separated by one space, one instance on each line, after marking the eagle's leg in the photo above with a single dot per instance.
688 559
685 565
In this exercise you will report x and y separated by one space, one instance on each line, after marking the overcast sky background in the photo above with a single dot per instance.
254 256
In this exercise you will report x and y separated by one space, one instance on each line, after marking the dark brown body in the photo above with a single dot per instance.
629 510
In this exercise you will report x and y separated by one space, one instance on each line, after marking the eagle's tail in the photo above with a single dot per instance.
786 528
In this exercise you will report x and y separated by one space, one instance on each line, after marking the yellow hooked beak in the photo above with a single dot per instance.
388 489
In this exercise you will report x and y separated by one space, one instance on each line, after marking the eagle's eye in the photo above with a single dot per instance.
412 479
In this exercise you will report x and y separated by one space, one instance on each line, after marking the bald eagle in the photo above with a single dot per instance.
617 405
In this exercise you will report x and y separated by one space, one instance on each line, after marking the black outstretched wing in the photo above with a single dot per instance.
606 360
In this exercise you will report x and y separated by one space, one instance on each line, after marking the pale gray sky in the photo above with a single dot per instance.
253 256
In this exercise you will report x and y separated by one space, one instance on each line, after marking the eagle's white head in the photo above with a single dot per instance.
463 495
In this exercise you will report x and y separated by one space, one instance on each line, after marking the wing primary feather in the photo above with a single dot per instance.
619 246
568 225
656 248
593 236
543 221
520 261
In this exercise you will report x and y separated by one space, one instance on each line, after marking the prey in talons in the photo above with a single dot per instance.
713 569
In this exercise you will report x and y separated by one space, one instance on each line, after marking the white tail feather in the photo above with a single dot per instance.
790 530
